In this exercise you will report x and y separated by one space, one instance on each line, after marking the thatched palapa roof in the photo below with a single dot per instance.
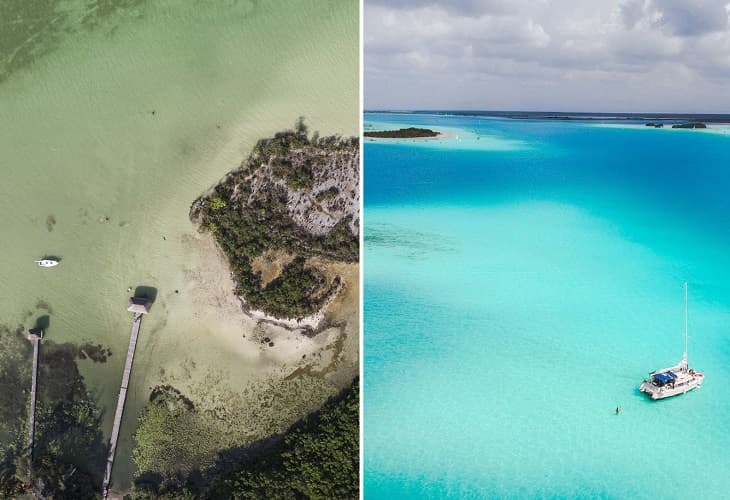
139 305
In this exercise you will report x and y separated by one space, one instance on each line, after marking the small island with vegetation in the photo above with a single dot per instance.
403 133
288 211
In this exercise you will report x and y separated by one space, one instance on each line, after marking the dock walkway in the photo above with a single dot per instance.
120 404
33 387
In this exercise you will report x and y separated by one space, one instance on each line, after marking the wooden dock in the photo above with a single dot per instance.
33 389
120 404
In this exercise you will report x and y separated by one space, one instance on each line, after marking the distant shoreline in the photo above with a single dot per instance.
666 118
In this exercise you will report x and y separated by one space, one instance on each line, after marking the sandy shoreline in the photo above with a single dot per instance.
313 322
237 330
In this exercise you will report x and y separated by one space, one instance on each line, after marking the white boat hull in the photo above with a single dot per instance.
47 263
655 392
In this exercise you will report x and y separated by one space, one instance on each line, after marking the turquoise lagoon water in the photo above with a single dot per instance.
520 282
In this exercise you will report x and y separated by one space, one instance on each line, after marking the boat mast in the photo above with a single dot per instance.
685 321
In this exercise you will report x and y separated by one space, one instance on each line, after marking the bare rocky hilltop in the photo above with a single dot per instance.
321 185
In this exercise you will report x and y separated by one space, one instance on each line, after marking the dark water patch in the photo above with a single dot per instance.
187 149
50 222
32 29
95 352
99 10
44 306
43 322
146 292
412 244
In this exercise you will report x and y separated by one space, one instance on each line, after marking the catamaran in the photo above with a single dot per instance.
676 379
46 262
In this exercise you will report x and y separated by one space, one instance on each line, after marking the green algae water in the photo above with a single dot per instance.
522 277
114 117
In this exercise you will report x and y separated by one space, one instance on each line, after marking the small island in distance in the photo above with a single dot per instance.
403 133
678 125
689 125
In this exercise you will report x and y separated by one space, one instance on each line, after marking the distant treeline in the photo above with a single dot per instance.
403 133
689 125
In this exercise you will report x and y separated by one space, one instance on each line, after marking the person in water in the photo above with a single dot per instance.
618 410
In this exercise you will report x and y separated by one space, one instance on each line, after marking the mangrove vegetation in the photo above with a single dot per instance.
317 458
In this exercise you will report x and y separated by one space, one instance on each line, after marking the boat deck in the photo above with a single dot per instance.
684 380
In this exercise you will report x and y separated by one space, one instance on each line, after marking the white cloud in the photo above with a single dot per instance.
562 54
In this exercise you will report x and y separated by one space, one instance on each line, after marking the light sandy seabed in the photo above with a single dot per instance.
79 142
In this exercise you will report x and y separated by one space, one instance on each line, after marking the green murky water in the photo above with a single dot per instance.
114 116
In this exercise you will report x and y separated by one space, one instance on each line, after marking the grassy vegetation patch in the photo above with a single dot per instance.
318 457
170 438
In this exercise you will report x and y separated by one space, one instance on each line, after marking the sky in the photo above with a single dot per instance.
548 55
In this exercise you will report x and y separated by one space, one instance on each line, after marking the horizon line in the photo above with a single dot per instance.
532 111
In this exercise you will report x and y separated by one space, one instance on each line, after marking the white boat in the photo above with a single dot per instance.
46 262
677 379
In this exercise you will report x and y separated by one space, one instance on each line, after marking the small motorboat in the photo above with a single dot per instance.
46 262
